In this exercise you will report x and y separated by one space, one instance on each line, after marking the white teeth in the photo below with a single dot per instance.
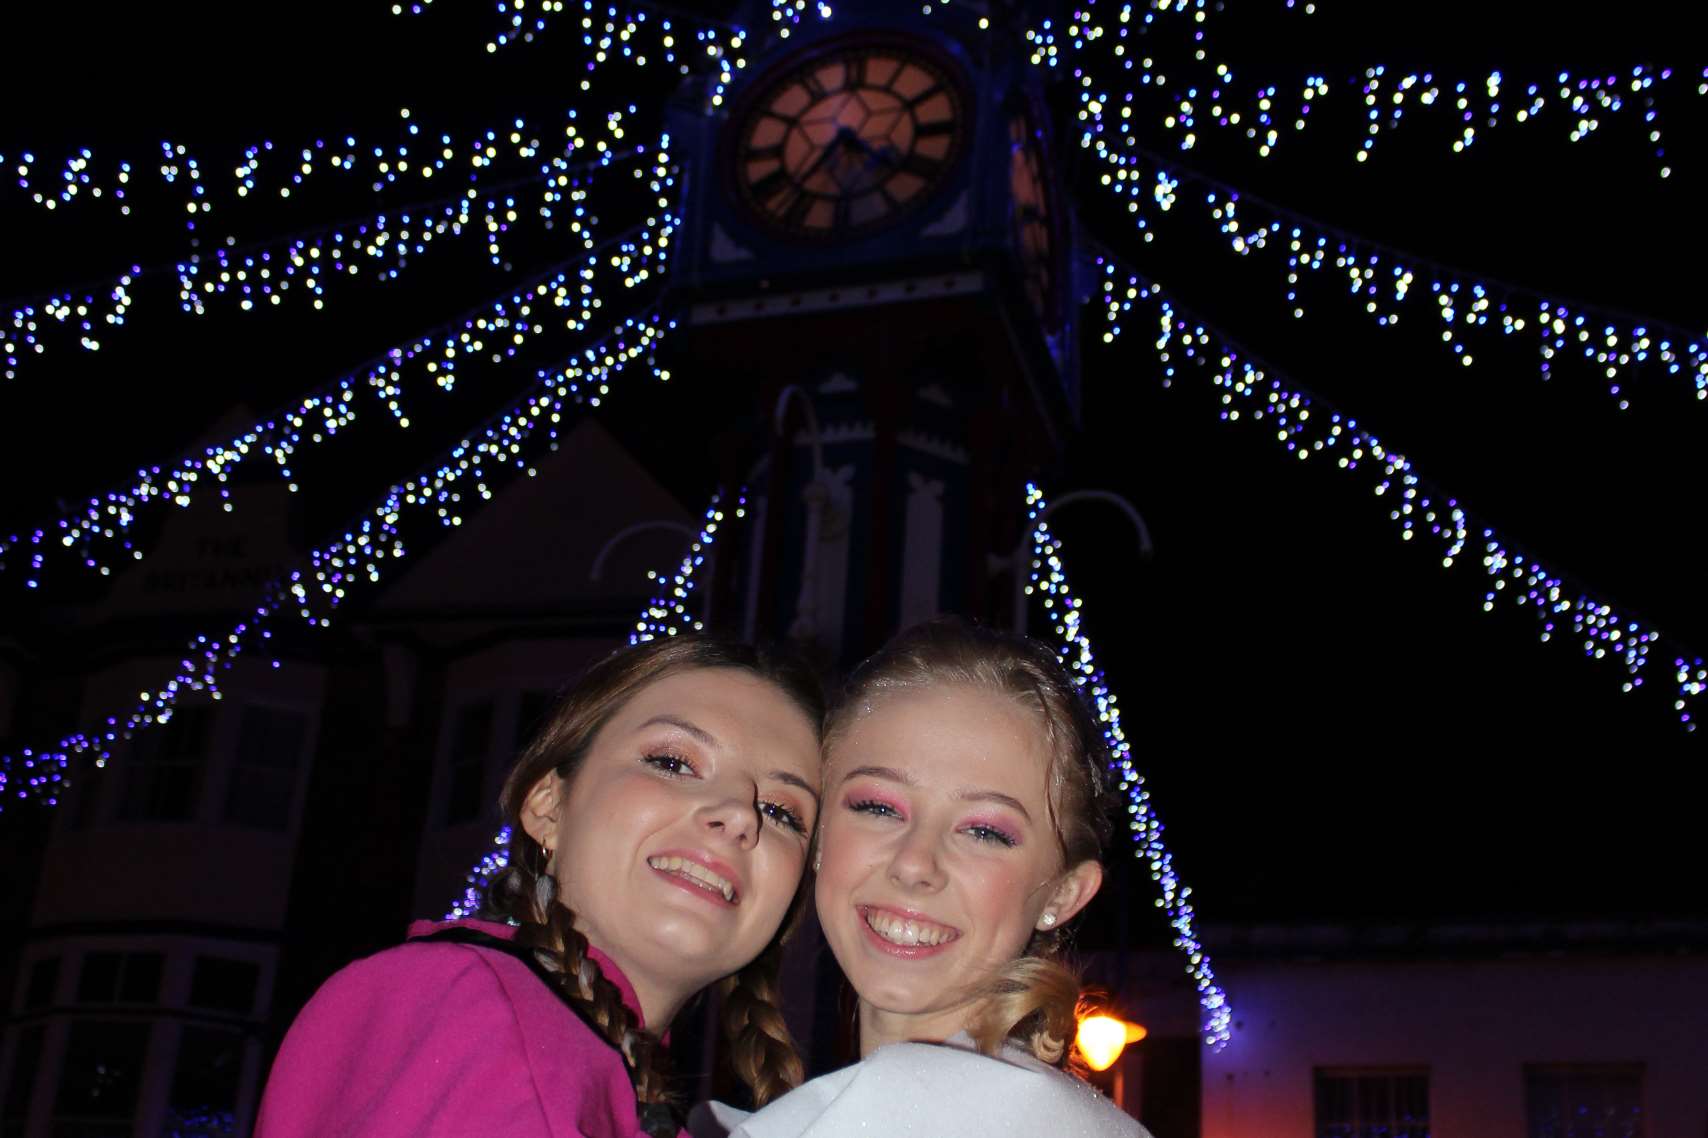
695 872
908 933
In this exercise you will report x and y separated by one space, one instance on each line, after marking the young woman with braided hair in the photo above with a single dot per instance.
964 815
660 823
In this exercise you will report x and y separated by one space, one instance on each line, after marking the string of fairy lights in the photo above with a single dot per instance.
634 34
269 171
606 28
1382 281
1575 104
1051 38
622 31
471 902
1194 101
82 317
263 273
463 480
666 614
99 536
1307 427
387 242
1048 581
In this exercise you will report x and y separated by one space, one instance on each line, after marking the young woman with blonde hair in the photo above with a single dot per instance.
660 821
964 815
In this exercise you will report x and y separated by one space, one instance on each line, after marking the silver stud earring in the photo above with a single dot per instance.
817 860
1048 920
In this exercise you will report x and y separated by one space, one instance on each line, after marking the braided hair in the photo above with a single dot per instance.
526 894
762 1051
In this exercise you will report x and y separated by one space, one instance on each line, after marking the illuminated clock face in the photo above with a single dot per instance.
848 141
1029 192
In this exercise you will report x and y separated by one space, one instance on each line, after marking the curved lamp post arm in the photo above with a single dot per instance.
1146 549
1017 561
817 499
779 418
623 535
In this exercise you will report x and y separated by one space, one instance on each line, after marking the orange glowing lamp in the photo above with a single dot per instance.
1102 1038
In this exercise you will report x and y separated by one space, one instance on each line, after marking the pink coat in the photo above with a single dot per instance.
445 1040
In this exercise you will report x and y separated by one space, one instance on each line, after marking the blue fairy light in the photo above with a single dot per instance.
1048 582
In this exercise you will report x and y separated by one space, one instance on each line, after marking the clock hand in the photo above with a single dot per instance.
884 158
800 180
886 154
842 137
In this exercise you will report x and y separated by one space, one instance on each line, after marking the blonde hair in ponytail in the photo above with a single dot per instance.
526 892
1033 999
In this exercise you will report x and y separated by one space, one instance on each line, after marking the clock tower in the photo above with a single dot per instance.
877 268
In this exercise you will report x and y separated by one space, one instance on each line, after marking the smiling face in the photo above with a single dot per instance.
939 856
681 838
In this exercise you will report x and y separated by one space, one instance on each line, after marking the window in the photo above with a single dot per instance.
264 771
44 980
204 1083
119 977
471 737
1372 1104
21 1080
1584 1100
99 1080
164 774
224 985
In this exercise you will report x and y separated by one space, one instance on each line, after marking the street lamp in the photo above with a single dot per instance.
1102 1038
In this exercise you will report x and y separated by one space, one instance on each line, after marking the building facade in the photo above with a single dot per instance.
1495 1029
181 904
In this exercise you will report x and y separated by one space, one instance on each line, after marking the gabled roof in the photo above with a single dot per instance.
533 547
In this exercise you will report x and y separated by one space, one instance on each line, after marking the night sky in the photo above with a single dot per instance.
1332 725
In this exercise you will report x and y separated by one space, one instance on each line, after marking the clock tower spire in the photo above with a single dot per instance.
877 268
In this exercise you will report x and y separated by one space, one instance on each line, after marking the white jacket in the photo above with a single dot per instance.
943 1090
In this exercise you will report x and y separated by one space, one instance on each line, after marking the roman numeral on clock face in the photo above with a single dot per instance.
770 185
796 211
921 166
